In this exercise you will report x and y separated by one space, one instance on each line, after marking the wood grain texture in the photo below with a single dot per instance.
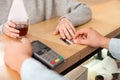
106 20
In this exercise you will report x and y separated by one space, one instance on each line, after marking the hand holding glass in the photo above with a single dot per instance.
21 25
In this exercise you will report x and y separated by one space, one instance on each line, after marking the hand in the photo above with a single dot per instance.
16 53
9 30
89 36
65 29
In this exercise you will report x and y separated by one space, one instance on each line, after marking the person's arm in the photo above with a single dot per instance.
9 29
91 37
79 14
114 47
18 57
34 70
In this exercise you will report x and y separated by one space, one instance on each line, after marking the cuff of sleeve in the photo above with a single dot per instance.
32 69
114 47
29 67
30 62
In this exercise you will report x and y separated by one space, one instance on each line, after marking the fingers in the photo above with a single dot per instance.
79 40
70 31
71 26
11 24
9 29
79 33
65 29
60 30
83 36
83 32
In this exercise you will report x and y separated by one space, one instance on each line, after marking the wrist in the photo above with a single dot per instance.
104 42
20 62
61 18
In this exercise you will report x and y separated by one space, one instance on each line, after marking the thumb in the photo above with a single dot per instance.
80 41
83 42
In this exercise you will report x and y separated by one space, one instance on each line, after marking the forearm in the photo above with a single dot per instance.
80 13
34 70
114 47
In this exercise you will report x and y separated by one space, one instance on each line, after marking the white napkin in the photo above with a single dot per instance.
17 10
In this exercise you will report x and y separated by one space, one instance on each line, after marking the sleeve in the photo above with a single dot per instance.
79 14
1 29
34 70
114 47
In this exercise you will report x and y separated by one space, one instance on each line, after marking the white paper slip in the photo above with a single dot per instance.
67 41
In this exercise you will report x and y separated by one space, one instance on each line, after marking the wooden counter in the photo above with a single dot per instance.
106 20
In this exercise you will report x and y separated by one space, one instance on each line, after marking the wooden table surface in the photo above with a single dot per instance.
106 20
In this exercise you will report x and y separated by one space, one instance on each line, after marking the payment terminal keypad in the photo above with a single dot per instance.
46 55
